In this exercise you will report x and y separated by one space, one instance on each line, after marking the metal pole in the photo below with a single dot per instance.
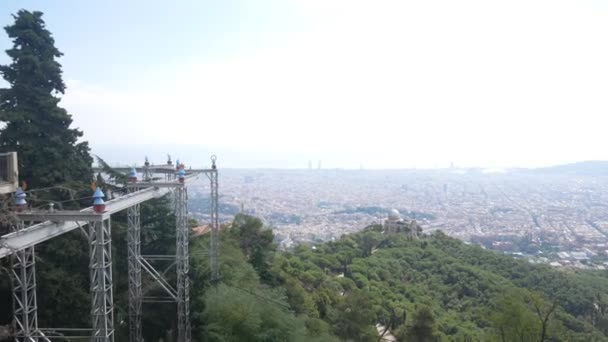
215 226
102 303
147 172
134 269
182 260
24 293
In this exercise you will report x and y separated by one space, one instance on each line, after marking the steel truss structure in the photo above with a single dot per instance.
182 259
215 225
100 266
25 307
20 245
134 269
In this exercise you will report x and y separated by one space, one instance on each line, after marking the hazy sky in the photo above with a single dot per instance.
378 83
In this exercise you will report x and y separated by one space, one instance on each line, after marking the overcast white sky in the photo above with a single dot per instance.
385 84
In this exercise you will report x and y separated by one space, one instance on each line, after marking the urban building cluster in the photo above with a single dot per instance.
558 219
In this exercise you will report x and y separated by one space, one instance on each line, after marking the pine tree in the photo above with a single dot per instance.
49 155
36 127
422 328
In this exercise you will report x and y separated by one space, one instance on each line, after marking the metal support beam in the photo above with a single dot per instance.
134 270
149 168
102 302
169 184
159 278
61 216
215 226
153 169
182 265
24 293
41 232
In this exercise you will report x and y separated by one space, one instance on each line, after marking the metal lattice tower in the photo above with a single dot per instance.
183 265
134 254
24 293
215 226
102 301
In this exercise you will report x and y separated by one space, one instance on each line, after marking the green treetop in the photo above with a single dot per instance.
36 127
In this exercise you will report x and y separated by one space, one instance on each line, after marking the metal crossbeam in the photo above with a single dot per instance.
158 257
61 216
149 168
150 299
62 334
41 232
156 184
170 169
158 277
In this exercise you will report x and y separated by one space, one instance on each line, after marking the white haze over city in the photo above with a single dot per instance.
378 84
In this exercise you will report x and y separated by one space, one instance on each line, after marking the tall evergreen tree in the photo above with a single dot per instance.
422 328
36 127
49 155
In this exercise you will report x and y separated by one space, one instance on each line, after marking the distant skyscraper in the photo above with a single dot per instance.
310 164
319 166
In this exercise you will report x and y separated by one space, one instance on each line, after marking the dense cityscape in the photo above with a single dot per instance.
547 217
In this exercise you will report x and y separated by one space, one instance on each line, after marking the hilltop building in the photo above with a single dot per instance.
394 223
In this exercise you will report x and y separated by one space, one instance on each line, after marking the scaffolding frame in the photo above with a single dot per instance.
134 269
25 305
182 265
20 245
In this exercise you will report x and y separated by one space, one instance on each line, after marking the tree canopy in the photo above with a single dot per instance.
36 127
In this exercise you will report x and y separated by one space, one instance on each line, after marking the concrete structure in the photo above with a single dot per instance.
9 174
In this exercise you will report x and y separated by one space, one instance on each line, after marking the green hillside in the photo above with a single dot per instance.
435 288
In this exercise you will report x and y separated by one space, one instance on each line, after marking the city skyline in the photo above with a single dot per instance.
558 213
232 158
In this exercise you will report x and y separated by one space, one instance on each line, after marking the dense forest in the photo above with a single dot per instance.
435 288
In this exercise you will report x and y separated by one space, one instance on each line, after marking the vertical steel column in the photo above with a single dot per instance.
100 265
182 265
135 291
215 227
24 293
147 173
